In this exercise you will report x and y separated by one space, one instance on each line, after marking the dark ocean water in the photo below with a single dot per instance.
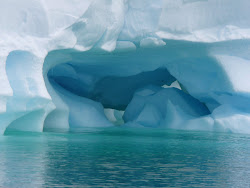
119 157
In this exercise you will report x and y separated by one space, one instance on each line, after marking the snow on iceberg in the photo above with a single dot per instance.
69 65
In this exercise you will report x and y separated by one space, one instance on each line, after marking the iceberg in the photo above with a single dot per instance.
180 64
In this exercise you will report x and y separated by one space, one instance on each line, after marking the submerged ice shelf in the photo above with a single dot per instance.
104 63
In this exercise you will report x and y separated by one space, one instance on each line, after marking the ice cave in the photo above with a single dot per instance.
102 63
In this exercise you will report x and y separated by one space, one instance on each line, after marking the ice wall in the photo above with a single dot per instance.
80 63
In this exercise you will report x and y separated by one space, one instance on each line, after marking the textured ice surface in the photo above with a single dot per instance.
78 64
155 106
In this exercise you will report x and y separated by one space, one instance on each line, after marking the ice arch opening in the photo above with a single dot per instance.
93 88
90 82
113 92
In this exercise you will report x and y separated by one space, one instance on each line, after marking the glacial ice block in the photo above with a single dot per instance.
150 106
70 64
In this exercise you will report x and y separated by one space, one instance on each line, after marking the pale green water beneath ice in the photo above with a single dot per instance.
117 157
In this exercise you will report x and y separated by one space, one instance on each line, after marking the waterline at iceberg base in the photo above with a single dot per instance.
124 157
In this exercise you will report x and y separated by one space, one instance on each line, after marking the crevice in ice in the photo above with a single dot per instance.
107 96
113 92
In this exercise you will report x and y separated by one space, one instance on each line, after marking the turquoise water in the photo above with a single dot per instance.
117 157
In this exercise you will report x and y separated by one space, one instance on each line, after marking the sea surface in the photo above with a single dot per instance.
124 157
